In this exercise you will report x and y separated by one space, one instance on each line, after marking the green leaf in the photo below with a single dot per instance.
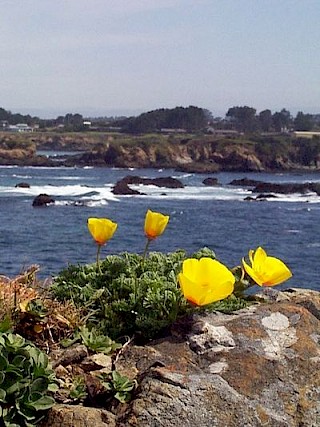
5 324
2 395
18 360
122 396
3 363
39 385
42 404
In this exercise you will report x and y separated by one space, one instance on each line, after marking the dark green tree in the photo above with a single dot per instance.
308 151
303 121
265 120
244 118
188 118
282 120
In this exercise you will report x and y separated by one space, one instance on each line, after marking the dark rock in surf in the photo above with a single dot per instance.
123 189
22 185
210 182
265 196
285 188
165 181
43 200
122 186
245 182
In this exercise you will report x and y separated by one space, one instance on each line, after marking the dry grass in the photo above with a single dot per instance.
28 305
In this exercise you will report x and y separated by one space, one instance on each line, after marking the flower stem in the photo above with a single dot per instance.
145 250
98 259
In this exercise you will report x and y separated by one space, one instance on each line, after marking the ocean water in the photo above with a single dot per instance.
216 217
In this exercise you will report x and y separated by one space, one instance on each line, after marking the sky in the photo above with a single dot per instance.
125 57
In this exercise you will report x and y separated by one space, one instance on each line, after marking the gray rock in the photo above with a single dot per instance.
42 200
256 367
78 416
22 185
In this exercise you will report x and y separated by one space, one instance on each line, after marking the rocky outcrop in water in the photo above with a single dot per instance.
42 200
245 182
22 185
211 182
287 188
122 186
255 367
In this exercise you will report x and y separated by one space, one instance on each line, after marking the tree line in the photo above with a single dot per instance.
245 119
191 119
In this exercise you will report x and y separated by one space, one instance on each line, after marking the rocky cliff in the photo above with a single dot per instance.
197 155
193 154
256 367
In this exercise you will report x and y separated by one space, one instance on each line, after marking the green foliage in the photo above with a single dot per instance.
93 340
190 118
204 252
78 389
25 380
308 150
119 386
129 296
230 304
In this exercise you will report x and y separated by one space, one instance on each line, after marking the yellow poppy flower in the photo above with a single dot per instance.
155 224
266 270
101 229
205 280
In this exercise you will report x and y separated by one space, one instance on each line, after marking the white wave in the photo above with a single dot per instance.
296 197
80 203
193 192
313 245
99 193
217 193
186 175
22 176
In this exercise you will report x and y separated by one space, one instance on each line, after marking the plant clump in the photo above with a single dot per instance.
26 382
130 295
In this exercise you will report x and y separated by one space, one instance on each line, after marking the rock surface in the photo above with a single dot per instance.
42 200
256 367
286 188
122 186
210 181
22 185
79 416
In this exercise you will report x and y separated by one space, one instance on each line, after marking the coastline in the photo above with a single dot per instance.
205 154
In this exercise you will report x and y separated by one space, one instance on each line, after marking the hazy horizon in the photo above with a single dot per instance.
107 57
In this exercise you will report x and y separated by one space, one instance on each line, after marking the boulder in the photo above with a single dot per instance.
210 181
122 186
245 182
22 185
255 367
164 181
42 200
78 416
265 196
285 188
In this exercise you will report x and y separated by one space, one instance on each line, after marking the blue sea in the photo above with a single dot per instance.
287 227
